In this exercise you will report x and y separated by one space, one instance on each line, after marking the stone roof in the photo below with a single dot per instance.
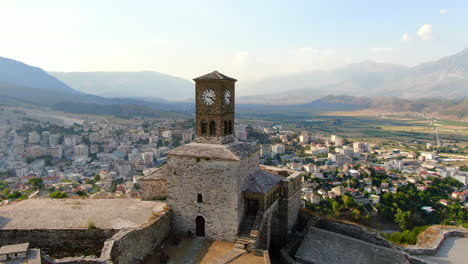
215 75
160 173
14 248
260 181
234 151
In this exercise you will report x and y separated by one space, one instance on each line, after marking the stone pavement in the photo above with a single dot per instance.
76 213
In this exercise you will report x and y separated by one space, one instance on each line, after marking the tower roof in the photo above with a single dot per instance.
215 75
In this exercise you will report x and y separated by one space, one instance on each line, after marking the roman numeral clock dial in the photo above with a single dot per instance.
208 97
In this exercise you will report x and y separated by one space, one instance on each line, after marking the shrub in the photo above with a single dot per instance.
91 224
58 194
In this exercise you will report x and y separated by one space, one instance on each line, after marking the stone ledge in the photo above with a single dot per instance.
431 247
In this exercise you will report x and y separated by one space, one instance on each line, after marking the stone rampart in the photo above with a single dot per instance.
128 246
354 231
59 242
433 246
132 245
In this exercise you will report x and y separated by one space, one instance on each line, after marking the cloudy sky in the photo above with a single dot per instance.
248 40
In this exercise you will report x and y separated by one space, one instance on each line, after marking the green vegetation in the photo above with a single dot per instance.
343 207
91 224
404 207
406 237
58 194
36 183
3 185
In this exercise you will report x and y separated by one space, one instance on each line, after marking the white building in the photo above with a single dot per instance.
278 149
304 138
148 158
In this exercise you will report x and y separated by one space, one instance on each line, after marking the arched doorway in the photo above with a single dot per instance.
200 223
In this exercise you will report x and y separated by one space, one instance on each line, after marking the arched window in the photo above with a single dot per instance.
204 127
199 198
230 127
212 128
226 127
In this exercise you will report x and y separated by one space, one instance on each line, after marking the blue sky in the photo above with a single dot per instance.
246 39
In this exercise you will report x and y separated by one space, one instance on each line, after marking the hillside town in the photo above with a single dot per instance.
105 159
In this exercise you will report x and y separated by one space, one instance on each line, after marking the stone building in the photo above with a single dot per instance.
215 186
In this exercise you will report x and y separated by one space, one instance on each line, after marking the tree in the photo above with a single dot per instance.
347 200
36 183
355 214
336 208
402 218
97 178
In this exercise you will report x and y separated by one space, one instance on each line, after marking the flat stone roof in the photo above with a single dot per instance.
16 248
76 213
325 247
234 151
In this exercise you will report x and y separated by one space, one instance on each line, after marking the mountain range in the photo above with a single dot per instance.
147 84
444 78
356 86
25 85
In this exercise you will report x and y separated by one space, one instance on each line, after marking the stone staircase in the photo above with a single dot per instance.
246 225
247 238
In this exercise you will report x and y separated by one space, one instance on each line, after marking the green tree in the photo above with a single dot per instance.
402 218
336 208
355 214
347 200
36 183
97 178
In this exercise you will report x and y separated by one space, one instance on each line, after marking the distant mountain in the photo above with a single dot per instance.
19 74
128 84
451 107
24 85
445 78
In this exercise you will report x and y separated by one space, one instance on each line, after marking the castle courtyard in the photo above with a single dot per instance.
77 213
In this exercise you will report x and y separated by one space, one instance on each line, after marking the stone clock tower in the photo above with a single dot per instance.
206 177
214 93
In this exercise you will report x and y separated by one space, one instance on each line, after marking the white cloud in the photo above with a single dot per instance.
405 37
425 32
381 51
443 11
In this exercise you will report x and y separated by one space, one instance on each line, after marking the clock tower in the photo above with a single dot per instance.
214 93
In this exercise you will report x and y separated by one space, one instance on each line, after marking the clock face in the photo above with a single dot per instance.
208 97
228 97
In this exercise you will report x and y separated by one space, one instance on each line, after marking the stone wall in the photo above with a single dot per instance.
294 204
220 184
434 245
59 242
128 246
355 231
131 246
153 189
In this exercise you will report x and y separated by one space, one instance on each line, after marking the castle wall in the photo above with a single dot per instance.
218 182
130 246
153 189
59 242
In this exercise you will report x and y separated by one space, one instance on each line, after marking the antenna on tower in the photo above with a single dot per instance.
437 137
